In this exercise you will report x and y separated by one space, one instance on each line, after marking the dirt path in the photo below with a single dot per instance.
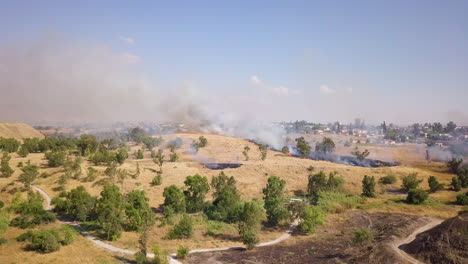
172 257
397 243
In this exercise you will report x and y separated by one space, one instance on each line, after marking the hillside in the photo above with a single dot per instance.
18 131
446 243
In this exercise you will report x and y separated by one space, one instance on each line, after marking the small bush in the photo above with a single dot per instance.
434 185
249 238
160 256
368 186
140 258
416 196
68 235
310 218
182 252
411 181
3 240
389 179
25 236
456 184
183 229
362 237
45 241
462 199
157 180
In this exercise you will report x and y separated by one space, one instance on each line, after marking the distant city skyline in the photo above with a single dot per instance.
399 61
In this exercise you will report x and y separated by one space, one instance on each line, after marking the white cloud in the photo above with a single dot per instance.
127 40
277 90
130 58
324 89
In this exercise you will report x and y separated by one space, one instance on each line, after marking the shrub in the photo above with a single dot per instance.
157 180
3 240
389 179
174 198
285 150
368 186
310 218
5 169
25 236
462 199
45 241
249 238
183 229
160 256
416 196
434 185
362 237
411 181
139 154
454 165
456 184
68 235
55 158
263 151
140 258
173 157
182 252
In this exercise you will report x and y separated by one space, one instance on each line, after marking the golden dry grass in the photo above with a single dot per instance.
18 131
251 178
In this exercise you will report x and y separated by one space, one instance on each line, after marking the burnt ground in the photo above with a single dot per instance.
446 243
332 243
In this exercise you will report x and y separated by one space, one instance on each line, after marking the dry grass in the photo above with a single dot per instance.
251 178
18 131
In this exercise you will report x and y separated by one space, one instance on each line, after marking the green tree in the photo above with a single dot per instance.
411 181
303 146
158 158
55 158
285 150
317 182
454 165
416 196
202 142
183 229
45 241
29 174
121 155
434 185
87 144
174 199
360 155
273 196
138 211
196 189
110 212
368 186
326 146
450 127
92 174
456 184
78 204
173 157
157 180
5 169
250 219
226 203
140 256
160 255
137 134
462 199
9 145
23 152
139 154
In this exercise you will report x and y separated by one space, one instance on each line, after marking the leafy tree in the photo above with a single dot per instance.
303 146
111 171
226 203
55 158
416 196
137 134
31 145
263 151
183 229
285 150
143 244
122 174
158 158
138 211
326 146
151 142
273 196
434 185
174 199
411 181
454 165
110 212
334 181
202 142
31 211
45 241
9 145
139 154
246 152
73 166
463 177
450 127
157 180
173 157
5 169
121 155
310 218
250 219
196 188
456 184
29 174
23 152
462 199
78 204
87 144
360 155
317 182
368 186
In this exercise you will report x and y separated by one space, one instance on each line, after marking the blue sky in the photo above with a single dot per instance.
401 61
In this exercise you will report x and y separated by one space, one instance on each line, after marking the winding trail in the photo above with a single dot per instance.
395 245
172 257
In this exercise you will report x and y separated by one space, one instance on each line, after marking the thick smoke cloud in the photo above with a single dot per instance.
56 79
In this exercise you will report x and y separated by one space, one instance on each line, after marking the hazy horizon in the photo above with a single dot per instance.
229 63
